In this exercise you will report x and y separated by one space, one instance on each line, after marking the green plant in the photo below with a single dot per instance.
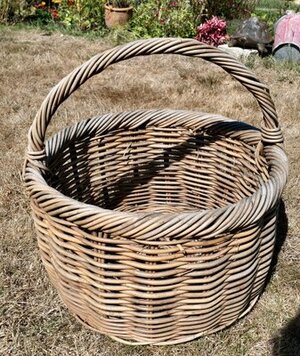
12 10
270 12
157 18
230 9
82 14
270 17
42 13
119 3
38 12
119 35
4 6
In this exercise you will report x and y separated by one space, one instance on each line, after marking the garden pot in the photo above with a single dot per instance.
116 16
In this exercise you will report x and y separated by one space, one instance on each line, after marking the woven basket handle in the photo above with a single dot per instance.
271 133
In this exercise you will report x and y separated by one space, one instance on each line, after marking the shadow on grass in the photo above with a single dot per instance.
287 340
282 229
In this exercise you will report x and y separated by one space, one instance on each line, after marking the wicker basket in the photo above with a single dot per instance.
157 226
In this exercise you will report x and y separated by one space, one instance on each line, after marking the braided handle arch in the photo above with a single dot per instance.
271 132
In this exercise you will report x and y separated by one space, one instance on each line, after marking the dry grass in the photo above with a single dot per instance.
34 321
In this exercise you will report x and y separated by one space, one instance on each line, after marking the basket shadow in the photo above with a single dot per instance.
73 179
282 229
144 173
287 340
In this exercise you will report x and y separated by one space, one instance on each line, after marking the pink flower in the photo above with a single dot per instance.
212 32
173 3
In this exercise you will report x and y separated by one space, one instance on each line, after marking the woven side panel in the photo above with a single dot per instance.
154 292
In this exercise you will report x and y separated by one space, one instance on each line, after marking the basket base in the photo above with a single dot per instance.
170 342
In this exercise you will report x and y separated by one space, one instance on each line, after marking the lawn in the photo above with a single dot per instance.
33 319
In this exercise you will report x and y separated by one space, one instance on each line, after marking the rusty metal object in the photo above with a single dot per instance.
287 38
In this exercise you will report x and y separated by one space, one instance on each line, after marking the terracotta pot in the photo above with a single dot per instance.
115 16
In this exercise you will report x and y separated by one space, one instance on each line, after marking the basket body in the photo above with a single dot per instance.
157 226
142 282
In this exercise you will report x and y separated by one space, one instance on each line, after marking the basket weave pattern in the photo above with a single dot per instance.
156 226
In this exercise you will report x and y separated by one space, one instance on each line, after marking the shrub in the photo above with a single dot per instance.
4 10
152 18
30 10
43 13
82 14
13 9
270 11
157 18
230 9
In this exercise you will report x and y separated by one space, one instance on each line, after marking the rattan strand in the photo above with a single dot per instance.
157 226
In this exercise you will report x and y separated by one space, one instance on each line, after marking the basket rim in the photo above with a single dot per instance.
206 223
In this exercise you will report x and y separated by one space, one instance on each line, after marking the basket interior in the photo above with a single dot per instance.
155 169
